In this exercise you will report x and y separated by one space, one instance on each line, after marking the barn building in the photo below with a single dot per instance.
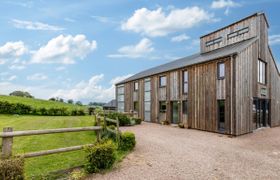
232 86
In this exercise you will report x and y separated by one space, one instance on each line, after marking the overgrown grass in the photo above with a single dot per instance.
35 167
39 103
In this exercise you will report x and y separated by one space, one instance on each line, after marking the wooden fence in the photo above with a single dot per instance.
8 135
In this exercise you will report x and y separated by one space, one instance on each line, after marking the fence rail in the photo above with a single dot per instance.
8 134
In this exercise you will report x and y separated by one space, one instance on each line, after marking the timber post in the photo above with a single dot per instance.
118 131
7 144
98 135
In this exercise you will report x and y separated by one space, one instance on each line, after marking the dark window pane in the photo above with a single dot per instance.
185 107
162 106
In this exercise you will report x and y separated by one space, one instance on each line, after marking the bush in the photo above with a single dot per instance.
77 175
181 125
100 156
137 120
12 169
124 120
127 142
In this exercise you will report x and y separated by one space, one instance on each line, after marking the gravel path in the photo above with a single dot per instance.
165 152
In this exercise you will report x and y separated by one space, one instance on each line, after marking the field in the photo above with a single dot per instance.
38 103
44 165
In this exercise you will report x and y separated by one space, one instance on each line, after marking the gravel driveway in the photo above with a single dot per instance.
165 152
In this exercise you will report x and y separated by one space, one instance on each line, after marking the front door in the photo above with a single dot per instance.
261 113
175 112
221 115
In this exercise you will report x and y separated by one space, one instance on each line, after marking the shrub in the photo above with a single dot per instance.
138 120
165 122
181 125
77 175
124 120
12 169
127 142
100 156
113 127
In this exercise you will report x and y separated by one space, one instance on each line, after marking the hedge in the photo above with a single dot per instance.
12 169
127 142
19 108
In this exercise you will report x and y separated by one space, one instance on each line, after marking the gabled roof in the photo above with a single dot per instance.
193 59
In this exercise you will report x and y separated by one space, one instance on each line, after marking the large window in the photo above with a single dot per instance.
135 106
221 70
120 98
147 99
185 82
162 106
261 72
136 86
162 81
185 107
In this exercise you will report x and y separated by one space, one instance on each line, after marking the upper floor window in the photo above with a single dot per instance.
185 82
214 41
261 72
238 32
136 86
221 70
162 81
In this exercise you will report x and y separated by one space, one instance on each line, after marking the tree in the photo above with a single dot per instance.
70 101
21 94
52 99
79 103
61 100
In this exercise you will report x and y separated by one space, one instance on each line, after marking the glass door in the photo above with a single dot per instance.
175 112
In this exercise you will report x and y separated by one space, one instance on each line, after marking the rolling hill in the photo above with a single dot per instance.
39 103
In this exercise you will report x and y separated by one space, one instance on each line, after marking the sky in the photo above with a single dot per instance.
79 49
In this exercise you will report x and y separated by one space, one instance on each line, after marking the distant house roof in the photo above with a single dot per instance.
193 59
112 103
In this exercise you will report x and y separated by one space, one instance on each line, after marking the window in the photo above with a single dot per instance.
238 32
136 106
214 41
221 114
136 86
162 81
185 107
147 99
221 70
185 82
120 98
261 72
162 106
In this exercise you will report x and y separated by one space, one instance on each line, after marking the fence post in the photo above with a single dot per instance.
98 135
118 131
7 144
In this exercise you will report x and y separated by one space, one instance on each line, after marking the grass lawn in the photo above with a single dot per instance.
39 103
45 164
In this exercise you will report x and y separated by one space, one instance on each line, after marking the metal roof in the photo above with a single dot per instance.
193 59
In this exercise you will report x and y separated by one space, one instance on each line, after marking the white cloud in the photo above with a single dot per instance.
91 90
157 23
17 67
138 50
37 77
69 20
11 78
180 38
104 19
64 50
12 50
221 4
29 25
274 39
60 68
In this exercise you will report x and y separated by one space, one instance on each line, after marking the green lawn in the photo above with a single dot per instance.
45 164
39 103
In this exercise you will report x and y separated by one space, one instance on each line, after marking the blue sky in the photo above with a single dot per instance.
79 49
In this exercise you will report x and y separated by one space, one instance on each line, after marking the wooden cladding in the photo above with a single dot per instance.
242 30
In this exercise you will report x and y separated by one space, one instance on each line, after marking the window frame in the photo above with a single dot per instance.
160 85
262 72
122 94
185 82
218 70
160 105
134 85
